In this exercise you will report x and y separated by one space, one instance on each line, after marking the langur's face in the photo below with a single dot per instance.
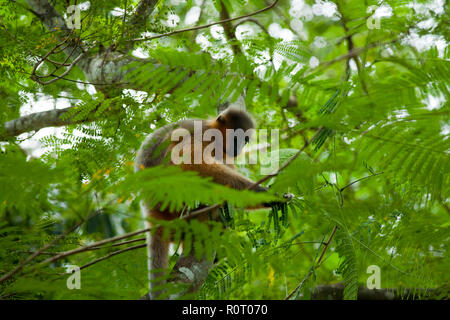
237 127
236 141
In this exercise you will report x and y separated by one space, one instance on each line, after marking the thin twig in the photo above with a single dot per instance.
196 213
311 271
255 21
287 163
364 178
206 25
315 265
118 244
74 62
95 244
6 29
112 254
353 53
90 249
45 247
326 246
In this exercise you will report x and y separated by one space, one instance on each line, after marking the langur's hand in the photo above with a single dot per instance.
287 197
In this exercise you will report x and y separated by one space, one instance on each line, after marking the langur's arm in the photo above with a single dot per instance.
223 174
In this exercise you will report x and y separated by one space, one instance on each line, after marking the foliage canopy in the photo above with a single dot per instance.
376 174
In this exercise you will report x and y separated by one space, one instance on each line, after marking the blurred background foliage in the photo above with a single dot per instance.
377 173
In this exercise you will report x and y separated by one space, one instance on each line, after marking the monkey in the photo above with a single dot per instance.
231 129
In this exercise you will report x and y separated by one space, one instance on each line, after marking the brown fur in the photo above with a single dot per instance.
155 149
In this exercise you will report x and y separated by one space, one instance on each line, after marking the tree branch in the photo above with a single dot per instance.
351 46
37 121
138 20
229 30
104 67
140 15
54 22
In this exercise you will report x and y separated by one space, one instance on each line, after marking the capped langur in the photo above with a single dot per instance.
225 137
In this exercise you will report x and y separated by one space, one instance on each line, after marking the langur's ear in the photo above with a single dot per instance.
221 119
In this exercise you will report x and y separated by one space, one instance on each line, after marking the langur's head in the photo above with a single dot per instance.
237 127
